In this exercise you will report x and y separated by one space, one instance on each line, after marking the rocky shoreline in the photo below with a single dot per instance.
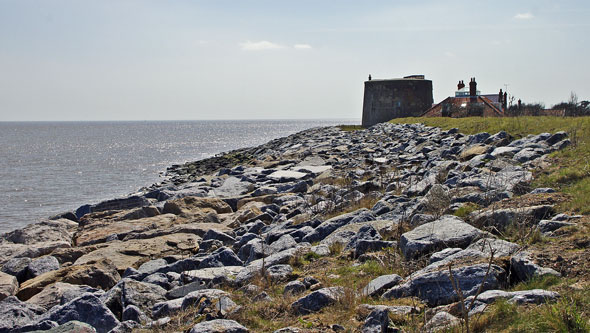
216 226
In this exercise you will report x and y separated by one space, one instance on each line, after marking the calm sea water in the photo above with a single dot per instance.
50 167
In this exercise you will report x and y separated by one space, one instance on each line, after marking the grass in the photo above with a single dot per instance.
350 128
568 314
570 170
466 209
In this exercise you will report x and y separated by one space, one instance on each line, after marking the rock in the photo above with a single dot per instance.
525 268
126 327
188 205
377 286
185 289
471 151
556 137
376 322
142 295
326 228
42 265
283 243
159 279
213 274
501 218
219 326
540 190
284 176
279 272
288 330
233 187
547 226
442 254
72 326
133 252
152 266
501 248
309 281
317 300
14 313
400 310
17 267
219 258
262 297
86 308
447 231
220 236
135 314
42 232
364 246
441 321
294 288
98 274
60 293
212 301
435 288
163 309
8 285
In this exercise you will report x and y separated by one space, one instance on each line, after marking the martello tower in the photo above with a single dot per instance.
396 98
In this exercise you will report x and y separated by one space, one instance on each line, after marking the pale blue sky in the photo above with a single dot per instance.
150 60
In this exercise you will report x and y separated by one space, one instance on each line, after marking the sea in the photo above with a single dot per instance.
47 168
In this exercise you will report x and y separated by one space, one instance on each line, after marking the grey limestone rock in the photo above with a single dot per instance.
14 313
133 313
317 300
279 272
376 322
435 288
294 287
379 285
86 308
167 308
152 266
525 268
17 267
219 258
42 265
143 295
501 218
326 228
441 321
547 226
219 326
447 231
185 289
220 236
159 279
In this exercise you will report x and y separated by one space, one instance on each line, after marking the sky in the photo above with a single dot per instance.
275 59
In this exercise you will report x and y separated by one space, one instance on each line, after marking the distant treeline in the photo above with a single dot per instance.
571 108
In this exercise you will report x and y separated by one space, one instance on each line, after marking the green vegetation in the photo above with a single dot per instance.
466 209
570 170
349 128
566 315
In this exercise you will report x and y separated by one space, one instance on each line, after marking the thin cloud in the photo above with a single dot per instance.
449 54
524 16
302 46
259 46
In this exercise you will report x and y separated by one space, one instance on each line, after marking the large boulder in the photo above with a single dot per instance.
143 295
60 293
221 257
14 313
17 267
190 206
525 268
327 227
317 300
133 253
86 308
99 274
42 265
501 218
447 231
379 285
435 287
